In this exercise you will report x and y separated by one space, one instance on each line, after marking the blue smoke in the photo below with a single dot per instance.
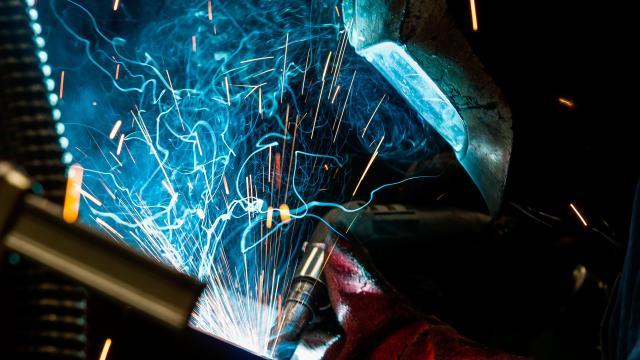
234 121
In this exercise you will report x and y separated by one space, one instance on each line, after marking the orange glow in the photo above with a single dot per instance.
226 186
285 215
117 71
61 84
115 5
105 349
269 217
474 16
72 196
210 11
575 210
566 102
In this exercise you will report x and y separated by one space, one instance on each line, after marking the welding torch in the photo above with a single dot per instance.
376 227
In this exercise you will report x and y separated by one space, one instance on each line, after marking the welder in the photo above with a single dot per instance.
417 46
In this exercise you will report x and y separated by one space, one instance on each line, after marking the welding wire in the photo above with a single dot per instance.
117 71
209 10
115 5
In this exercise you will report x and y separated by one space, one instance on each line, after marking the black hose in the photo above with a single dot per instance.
48 319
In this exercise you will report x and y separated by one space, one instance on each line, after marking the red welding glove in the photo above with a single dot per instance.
378 324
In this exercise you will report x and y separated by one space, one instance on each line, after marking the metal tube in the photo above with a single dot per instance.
34 229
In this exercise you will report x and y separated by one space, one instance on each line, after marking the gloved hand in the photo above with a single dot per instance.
377 323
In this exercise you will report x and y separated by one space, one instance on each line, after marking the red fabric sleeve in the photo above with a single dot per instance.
378 323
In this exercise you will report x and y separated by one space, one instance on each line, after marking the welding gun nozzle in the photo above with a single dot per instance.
307 295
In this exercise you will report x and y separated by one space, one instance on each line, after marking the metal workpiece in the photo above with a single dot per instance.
420 50
33 227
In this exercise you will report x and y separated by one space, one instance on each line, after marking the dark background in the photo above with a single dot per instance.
537 51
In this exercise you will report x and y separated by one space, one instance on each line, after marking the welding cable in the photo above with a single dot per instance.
48 319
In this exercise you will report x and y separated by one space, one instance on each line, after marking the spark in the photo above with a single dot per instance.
256 59
373 157
269 217
284 67
120 144
115 5
226 84
335 94
254 88
474 17
324 73
372 115
61 84
102 223
226 186
344 106
116 159
582 219
337 11
198 143
72 194
306 67
114 129
107 345
90 197
175 100
173 201
566 102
